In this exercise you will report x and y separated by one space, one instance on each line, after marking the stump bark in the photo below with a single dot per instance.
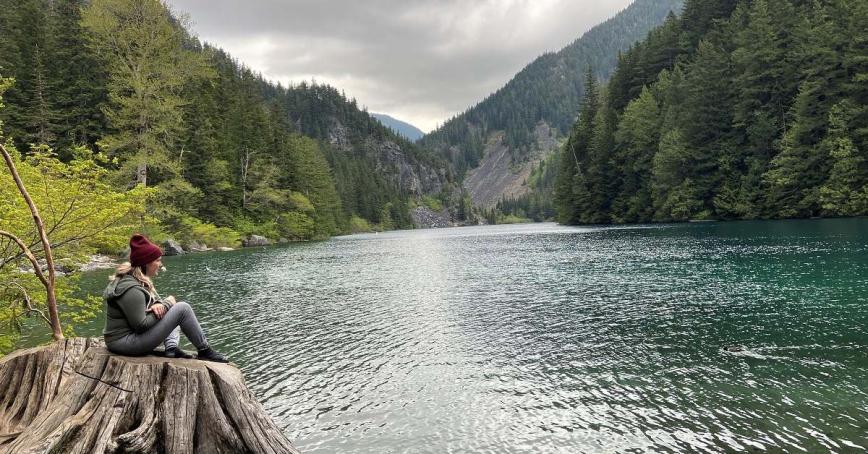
73 396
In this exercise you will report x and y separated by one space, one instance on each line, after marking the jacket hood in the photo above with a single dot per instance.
118 287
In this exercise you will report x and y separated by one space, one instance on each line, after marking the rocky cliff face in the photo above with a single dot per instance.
411 176
500 175
393 163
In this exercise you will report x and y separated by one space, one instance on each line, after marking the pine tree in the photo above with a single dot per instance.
845 193
637 138
571 210
600 174
32 116
673 192
798 171
854 16
79 81
148 68
707 120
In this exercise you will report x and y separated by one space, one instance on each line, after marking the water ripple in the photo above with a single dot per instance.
551 339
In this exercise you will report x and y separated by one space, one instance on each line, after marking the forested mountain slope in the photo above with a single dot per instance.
736 110
216 142
511 131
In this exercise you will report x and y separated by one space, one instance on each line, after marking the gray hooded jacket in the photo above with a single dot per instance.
126 311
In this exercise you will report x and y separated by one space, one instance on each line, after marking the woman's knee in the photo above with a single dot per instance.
182 306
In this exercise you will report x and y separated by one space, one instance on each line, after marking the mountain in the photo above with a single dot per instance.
378 173
407 130
219 144
735 110
494 146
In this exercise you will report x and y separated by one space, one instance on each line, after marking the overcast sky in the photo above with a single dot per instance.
421 61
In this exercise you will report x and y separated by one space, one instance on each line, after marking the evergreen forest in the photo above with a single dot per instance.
227 153
731 110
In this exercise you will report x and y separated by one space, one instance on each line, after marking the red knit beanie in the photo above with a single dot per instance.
143 251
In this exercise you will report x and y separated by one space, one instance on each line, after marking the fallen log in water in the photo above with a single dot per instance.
74 396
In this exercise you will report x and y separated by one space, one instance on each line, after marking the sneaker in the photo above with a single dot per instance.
177 353
210 355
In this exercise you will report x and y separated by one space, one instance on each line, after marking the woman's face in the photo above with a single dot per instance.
153 268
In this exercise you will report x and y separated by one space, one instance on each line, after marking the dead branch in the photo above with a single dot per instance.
28 305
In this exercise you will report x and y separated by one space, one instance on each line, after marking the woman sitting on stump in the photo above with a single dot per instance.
138 320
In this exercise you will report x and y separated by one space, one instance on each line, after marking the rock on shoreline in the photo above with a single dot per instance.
426 218
98 262
255 240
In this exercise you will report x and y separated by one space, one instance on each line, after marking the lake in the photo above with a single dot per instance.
543 338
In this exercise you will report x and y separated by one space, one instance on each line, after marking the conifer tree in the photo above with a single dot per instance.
801 167
148 69
845 193
637 138
570 209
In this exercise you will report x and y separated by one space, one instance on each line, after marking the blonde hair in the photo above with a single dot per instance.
137 272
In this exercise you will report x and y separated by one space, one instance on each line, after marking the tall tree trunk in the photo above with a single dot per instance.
142 174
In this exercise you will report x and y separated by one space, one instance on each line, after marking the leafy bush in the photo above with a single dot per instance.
247 226
512 219
432 203
359 225
296 226
192 229
82 214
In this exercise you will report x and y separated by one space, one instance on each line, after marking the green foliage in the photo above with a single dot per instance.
512 219
148 68
190 229
359 225
845 193
432 203
735 110
82 215
56 100
296 226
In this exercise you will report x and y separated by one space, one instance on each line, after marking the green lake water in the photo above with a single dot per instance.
542 338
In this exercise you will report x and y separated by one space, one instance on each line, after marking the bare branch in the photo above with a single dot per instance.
26 251
29 305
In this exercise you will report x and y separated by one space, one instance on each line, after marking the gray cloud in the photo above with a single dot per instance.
421 61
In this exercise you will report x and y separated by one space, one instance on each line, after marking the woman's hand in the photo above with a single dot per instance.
159 310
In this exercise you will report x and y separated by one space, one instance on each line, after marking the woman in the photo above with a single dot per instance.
138 320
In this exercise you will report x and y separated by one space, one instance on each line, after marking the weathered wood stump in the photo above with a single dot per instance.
74 396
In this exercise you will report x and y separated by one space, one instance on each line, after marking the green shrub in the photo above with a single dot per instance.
296 226
512 219
190 229
359 225
432 203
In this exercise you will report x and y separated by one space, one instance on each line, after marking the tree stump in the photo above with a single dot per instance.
73 396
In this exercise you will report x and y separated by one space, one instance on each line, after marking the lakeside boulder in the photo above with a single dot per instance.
97 262
196 246
76 396
171 247
255 240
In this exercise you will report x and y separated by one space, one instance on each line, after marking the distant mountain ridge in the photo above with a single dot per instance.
403 128
510 132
